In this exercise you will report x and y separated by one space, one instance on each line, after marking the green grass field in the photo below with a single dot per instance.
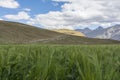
52 62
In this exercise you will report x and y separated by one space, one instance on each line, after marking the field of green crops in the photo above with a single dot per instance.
50 62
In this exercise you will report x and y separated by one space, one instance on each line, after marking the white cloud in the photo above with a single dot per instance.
27 9
1 19
55 4
20 16
81 13
9 3
31 21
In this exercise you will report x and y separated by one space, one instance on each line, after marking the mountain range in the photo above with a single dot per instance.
112 32
18 33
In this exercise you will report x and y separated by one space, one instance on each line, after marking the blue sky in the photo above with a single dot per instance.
57 14
40 6
36 6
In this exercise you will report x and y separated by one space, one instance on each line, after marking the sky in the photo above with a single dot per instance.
62 14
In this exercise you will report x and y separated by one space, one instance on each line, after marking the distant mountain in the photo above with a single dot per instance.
110 33
70 32
17 33
95 32
99 28
85 30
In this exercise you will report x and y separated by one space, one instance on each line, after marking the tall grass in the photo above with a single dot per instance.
59 62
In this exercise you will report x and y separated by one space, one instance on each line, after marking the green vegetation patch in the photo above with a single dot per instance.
34 62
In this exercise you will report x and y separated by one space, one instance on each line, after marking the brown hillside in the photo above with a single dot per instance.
12 32
70 32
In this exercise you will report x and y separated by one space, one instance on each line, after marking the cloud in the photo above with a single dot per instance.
20 16
1 19
9 4
55 4
27 9
31 22
76 13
